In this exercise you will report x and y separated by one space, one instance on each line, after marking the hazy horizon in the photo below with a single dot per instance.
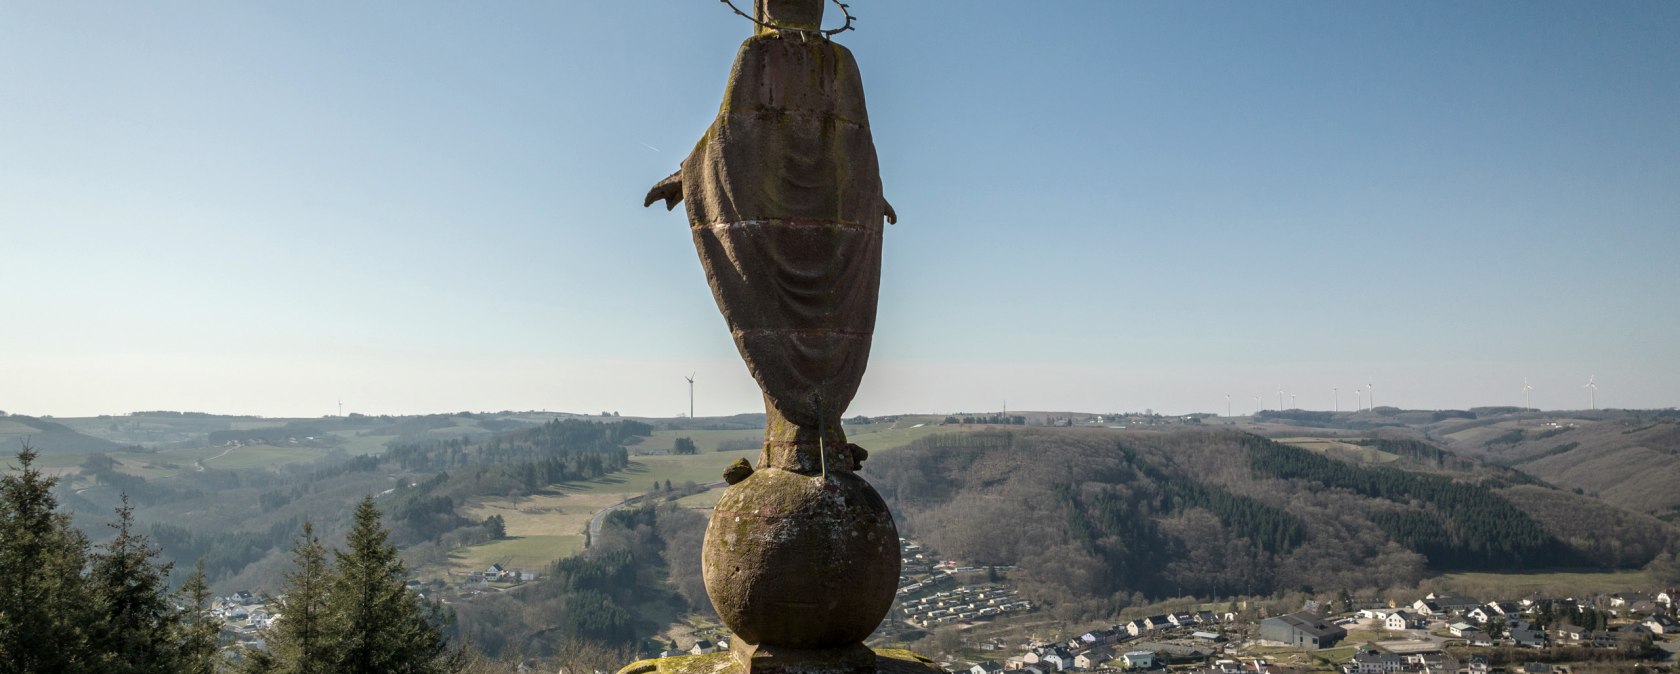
268 209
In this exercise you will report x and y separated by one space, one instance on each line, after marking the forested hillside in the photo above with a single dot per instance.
241 520
1629 459
1097 520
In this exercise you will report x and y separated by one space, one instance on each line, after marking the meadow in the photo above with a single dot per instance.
1554 584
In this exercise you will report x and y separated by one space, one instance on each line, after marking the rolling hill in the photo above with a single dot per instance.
1097 518
1628 459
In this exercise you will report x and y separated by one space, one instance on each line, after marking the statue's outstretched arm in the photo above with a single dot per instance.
892 215
670 190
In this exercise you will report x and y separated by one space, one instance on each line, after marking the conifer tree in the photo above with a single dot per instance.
43 599
382 627
197 632
136 624
302 639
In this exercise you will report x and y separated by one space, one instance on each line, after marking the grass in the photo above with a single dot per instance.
13 432
550 513
701 501
541 528
643 471
246 457
357 445
43 461
530 552
706 441
1360 636
1339 653
882 437
1555 583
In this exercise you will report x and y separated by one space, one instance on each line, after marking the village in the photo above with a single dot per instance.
1438 633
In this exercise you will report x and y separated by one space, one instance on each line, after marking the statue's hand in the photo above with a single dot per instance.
670 190
892 215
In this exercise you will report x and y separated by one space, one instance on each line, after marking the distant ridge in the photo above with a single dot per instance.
48 437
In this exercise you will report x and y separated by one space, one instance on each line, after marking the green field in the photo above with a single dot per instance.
9 461
529 552
882 437
357 445
260 456
702 468
1557 584
706 441
12 433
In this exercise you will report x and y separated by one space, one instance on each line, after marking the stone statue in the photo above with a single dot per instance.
783 197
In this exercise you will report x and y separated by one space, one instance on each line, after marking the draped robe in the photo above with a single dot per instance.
784 200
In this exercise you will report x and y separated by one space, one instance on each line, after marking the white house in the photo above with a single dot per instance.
1399 620
1463 629
1661 624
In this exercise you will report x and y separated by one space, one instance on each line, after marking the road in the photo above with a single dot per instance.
600 517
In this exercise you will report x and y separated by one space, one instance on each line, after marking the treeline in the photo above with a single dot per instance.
577 448
354 613
994 419
221 553
67 606
1465 526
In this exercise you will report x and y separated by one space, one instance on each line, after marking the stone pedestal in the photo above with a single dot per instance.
801 561
855 660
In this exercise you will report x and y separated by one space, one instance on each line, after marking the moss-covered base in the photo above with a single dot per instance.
887 661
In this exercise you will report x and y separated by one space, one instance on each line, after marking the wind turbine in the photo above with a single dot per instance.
1592 390
1280 397
1292 402
1528 395
690 379
1257 405
1336 392
1370 395
1227 404
1358 396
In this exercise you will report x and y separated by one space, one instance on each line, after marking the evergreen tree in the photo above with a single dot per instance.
130 588
43 598
197 632
381 627
301 642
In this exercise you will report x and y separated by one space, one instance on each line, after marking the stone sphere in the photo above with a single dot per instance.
796 561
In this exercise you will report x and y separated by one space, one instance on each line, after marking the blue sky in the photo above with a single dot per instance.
1105 206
